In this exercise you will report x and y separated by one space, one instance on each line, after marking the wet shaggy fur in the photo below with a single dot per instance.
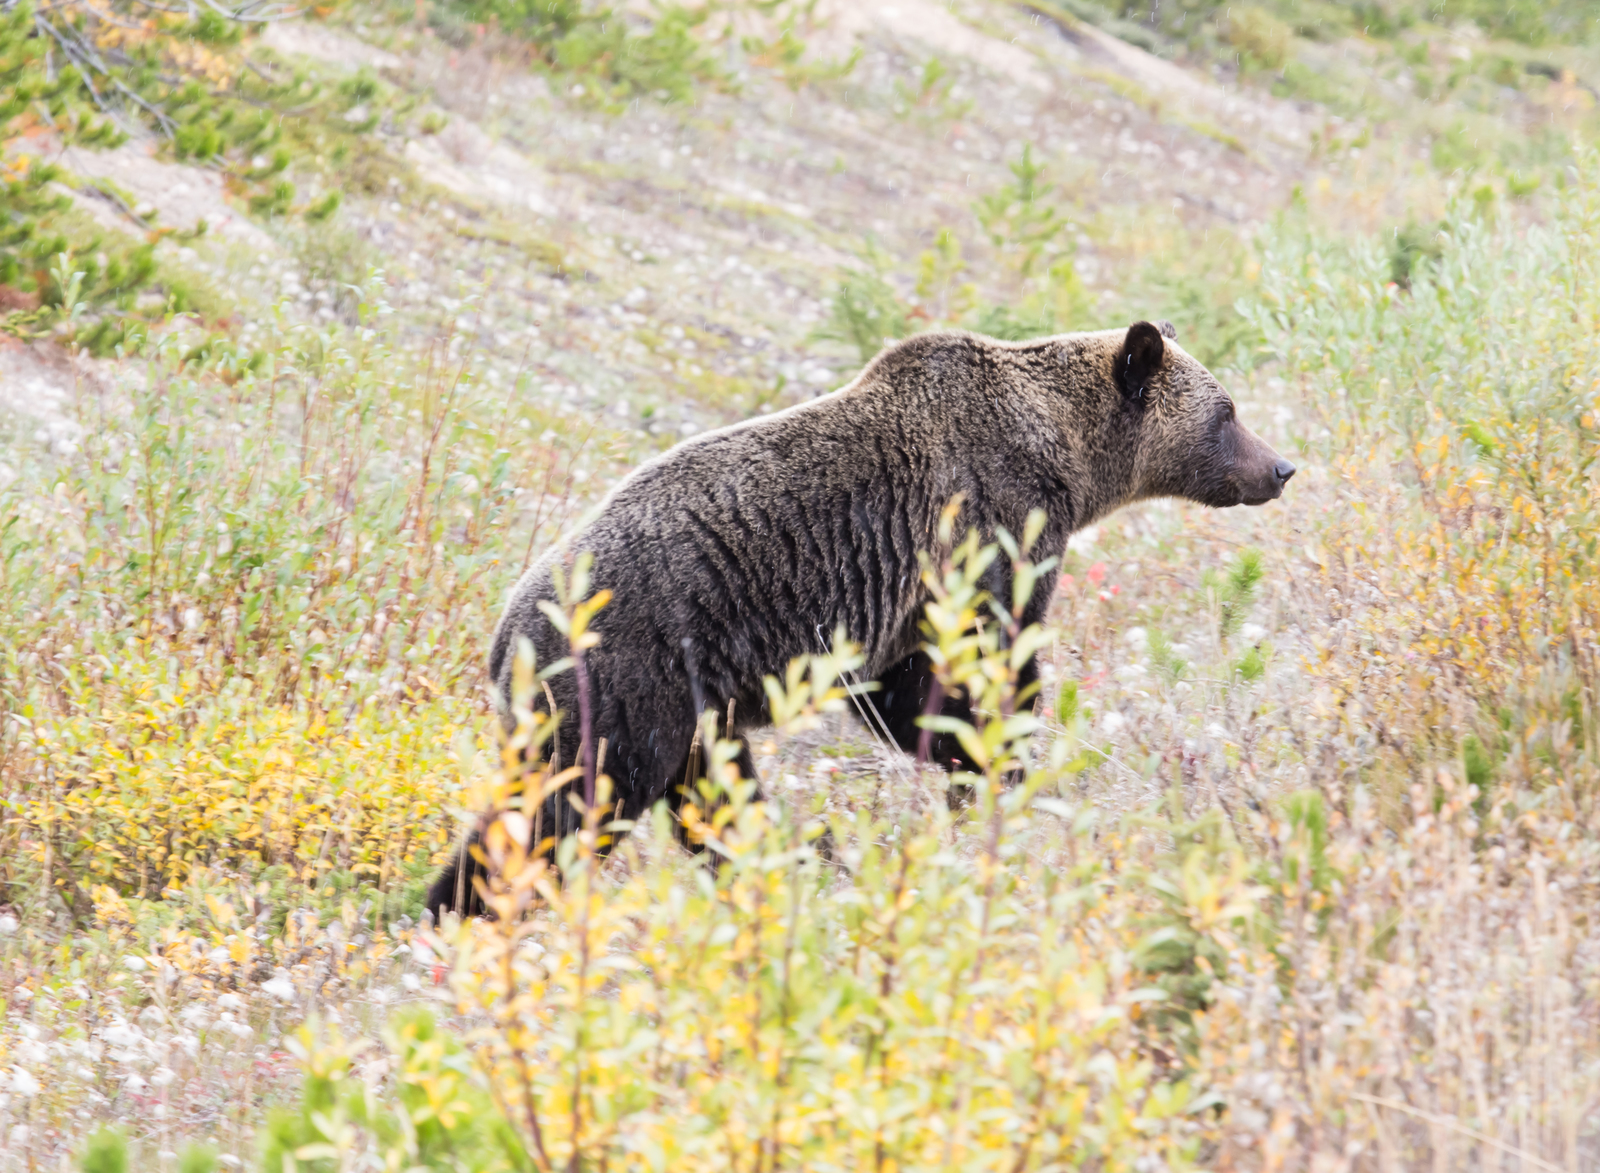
745 547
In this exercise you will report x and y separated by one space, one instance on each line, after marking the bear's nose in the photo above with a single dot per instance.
1283 470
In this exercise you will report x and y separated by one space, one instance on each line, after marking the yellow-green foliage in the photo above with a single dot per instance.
244 621
439 1117
170 779
1464 420
1260 36
928 1014
934 991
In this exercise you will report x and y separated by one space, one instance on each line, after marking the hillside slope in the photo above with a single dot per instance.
308 355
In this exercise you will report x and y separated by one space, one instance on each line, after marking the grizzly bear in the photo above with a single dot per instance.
744 547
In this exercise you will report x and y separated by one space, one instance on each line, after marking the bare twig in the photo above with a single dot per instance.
88 59
1454 1125
585 726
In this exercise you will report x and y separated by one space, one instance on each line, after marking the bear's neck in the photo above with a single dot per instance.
913 453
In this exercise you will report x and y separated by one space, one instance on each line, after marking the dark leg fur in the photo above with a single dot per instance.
454 888
456 880
902 697
678 794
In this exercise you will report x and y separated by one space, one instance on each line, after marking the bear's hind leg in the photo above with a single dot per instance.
684 788
453 889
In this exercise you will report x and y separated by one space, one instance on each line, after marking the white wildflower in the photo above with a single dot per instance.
23 1083
1083 539
280 987
33 1051
120 1034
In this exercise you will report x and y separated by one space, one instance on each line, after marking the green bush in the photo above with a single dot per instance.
865 311
1260 37
1000 321
1020 218
1232 593
663 58
1414 246
438 1116
107 1152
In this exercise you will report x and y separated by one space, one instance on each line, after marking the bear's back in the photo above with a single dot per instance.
771 531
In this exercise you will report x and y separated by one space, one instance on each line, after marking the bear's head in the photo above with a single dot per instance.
1187 440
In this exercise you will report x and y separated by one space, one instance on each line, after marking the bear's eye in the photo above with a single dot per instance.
1225 413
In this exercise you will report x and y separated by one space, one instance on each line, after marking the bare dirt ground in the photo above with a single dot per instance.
37 383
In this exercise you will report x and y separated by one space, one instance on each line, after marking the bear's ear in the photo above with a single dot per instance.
1139 359
1168 330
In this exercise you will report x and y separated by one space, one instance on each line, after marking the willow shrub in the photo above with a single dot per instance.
240 614
1434 982
1463 418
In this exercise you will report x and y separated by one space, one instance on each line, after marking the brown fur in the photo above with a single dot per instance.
745 547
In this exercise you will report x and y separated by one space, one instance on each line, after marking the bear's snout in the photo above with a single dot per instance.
1260 472
1270 486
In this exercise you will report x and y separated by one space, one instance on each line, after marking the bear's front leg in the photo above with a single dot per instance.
910 690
